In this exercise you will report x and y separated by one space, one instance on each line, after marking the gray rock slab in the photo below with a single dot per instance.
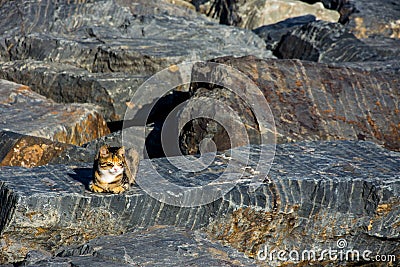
26 112
65 83
158 246
102 52
315 193
322 41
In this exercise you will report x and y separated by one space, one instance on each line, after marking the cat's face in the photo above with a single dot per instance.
111 162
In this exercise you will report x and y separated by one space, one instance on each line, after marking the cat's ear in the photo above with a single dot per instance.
121 151
103 151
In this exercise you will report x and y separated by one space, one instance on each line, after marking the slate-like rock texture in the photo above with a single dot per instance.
158 246
273 33
309 101
255 13
315 193
101 52
375 18
319 193
367 18
322 41
26 112
31 151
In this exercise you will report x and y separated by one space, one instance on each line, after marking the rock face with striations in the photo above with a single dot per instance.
315 193
100 52
157 246
309 101
322 41
255 13
26 112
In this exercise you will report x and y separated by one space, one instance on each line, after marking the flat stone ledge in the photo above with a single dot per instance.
157 246
314 193
26 112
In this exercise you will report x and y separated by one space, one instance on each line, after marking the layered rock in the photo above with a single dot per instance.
315 193
26 112
325 42
102 52
375 18
158 246
256 13
366 18
273 33
65 83
309 101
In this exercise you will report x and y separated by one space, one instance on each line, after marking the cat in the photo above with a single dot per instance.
111 174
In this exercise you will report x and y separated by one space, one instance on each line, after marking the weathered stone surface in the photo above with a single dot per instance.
366 18
375 18
325 42
273 33
30 151
310 101
315 193
102 52
27 151
158 246
26 112
318 197
255 13
65 83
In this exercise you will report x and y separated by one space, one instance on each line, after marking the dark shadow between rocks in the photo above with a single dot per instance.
82 175
153 116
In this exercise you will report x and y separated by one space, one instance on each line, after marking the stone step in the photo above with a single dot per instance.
315 193
26 112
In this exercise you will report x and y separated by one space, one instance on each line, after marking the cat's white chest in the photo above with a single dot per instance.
107 177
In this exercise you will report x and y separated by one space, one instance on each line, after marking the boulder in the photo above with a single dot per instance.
157 246
65 83
315 193
273 33
26 112
256 13
375 18
309 101
322 41
102 52
367 18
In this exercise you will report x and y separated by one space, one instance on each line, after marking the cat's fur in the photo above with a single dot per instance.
111 173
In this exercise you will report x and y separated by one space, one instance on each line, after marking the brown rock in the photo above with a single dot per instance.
309 101
26 112
27 151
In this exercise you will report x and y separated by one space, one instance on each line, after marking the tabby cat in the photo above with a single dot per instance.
110 171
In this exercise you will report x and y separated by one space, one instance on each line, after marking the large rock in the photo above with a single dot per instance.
273 33
26 112
315 193
102 52
65 83
309 101
256 13
158 246
375 18
325 42
367 18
